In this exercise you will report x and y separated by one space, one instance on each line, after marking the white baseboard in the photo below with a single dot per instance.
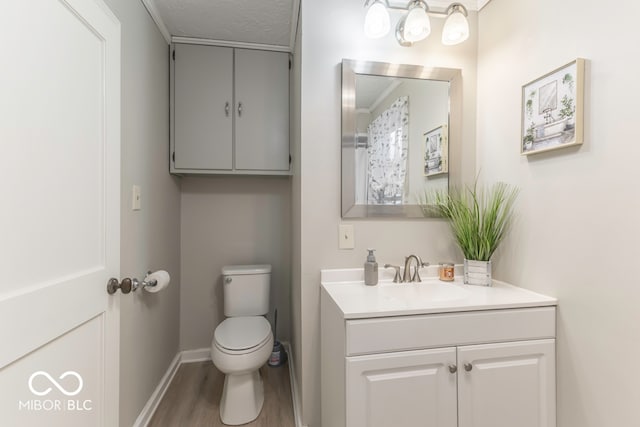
157 395
295 394
199 355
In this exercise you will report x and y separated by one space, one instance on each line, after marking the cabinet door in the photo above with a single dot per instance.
262 110
203 106
404 389
507 385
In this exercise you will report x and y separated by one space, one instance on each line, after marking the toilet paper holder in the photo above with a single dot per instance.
127 285
144 283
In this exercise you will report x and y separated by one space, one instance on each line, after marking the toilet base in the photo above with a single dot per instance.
242 398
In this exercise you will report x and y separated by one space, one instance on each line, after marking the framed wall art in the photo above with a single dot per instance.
436 151
553 110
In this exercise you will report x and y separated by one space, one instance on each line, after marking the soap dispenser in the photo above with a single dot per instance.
371 269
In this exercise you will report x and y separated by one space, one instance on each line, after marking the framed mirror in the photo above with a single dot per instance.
399 123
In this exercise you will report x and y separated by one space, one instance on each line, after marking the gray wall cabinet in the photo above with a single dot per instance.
229 111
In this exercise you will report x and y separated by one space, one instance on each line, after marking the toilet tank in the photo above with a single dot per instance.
246 289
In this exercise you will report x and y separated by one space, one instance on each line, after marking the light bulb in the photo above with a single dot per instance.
416 24
377 22
456 29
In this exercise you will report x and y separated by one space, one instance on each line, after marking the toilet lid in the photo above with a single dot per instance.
243 332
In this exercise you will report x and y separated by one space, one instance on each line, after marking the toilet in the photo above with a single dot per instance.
243 342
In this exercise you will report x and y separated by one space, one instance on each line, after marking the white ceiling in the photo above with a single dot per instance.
370 88
269 24
261 22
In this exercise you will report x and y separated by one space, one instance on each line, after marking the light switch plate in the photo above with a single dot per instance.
346 237
135 198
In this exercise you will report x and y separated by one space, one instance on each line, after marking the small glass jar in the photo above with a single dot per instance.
446 271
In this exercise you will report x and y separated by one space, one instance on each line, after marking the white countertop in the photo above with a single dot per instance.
356 300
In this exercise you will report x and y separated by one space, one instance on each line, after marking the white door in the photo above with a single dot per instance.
404 389
507 385
59 214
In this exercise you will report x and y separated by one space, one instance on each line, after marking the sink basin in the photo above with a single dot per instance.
426 290
345 291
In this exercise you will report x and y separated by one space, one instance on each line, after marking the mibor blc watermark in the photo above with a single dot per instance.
55 405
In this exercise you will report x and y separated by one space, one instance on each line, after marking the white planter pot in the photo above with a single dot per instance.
477 272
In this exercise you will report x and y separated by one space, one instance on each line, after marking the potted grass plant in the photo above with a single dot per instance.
479 220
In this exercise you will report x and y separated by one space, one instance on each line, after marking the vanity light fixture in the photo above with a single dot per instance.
377 22
456 27
415 25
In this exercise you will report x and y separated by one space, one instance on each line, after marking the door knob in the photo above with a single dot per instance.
127 285
113 286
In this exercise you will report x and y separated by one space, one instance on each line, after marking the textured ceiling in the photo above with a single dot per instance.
268 24
246 21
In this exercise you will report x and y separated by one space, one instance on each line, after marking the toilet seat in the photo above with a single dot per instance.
242 334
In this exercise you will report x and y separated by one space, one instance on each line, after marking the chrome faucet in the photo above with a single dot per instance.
407 277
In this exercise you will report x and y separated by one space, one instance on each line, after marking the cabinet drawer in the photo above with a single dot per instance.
448 329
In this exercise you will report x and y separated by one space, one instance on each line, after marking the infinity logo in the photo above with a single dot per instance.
55 383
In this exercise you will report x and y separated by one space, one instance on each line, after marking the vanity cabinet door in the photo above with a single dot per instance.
507 385
403 389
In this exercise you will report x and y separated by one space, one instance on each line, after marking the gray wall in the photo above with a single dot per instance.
576 236
231 220
149 237
227 220
296 205
317 195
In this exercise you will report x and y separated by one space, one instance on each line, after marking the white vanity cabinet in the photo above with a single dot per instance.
472 368
507 384
230 111
408 388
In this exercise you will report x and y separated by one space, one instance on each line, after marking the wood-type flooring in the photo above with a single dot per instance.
193 398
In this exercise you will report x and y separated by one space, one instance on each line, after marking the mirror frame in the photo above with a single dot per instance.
349 70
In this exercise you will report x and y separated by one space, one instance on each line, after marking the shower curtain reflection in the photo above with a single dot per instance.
387 148
361 172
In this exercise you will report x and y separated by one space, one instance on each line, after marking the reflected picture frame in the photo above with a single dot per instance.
435 144
553 110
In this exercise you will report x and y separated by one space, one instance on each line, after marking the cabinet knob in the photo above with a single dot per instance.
468 367
453 369
239 109
227 108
